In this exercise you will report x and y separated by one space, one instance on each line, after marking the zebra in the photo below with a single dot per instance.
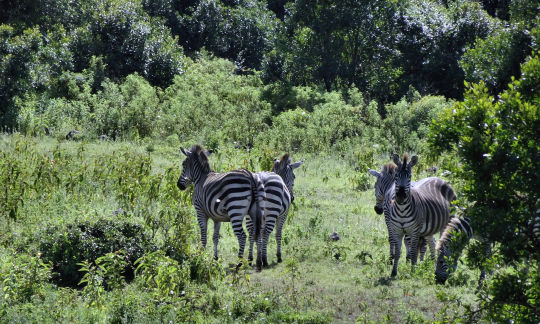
223 197
385 182
419 210
453 240
278 185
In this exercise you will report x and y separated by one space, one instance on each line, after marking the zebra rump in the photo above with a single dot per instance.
278 186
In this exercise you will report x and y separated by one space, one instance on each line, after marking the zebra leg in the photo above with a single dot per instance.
215 238
279 229
407 240
431 242
398 239
250 228
266 238
203 224
414 249
236 222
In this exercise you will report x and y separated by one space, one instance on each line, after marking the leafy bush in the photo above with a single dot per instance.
22 276
209 104
407 123
496 144
72 244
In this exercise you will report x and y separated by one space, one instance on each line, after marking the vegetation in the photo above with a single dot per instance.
96 97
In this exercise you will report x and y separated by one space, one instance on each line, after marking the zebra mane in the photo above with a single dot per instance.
456 225
404 165
286 158
389 167
200 153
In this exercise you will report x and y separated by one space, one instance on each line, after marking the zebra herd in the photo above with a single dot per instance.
415 211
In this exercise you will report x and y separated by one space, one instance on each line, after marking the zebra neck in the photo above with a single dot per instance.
200 178
404 205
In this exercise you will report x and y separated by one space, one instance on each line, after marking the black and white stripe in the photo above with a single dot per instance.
452 242
223 197
421 210
278 186
385 182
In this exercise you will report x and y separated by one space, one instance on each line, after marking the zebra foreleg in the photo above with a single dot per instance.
203 224
215 238
398 238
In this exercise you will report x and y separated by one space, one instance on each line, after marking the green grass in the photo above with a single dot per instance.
319 281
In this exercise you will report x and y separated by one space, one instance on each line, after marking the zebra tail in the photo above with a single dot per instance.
259 196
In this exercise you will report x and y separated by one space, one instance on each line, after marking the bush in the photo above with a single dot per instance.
496 143
407 123
68 246
22 276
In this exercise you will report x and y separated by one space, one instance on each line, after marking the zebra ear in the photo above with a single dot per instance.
374 173
414 160
185 152
296 165
396 160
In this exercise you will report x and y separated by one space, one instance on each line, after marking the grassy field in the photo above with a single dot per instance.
320 280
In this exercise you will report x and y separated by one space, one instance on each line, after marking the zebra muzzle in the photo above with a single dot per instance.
378 210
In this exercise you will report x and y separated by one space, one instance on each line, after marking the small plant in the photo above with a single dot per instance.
163 275
23 276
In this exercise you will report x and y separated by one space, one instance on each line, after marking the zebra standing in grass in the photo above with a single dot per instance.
278 186
453 240
385 182
223 197
419 210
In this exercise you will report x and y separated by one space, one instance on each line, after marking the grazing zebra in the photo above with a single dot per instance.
223 197
385 182
278 186
453 240
421 210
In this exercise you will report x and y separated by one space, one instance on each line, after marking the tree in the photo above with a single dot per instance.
496 144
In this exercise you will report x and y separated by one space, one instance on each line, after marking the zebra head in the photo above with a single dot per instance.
385 180
441 270
194 166
402 179
285 169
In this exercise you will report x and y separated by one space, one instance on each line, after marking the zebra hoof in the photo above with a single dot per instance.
238 266
279 260
216 257
394 273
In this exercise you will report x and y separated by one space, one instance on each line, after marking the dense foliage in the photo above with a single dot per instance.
497 143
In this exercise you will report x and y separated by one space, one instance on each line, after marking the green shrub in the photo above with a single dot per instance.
22 276
72 244
496 145
407 123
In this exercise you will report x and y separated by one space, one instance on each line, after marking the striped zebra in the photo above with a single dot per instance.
223 197
419 210
453 240
278 186
385 182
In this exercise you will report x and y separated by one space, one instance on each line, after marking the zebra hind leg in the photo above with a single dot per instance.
279 229
249 225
